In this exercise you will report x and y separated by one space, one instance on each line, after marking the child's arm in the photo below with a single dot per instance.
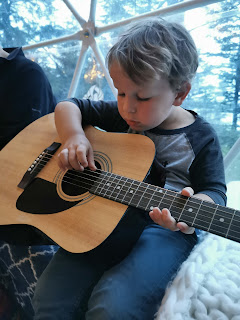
163 217
77 151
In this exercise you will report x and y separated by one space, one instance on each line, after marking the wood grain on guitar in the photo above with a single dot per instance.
79 210
86 220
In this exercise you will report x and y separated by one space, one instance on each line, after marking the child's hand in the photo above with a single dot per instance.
77 153
163 217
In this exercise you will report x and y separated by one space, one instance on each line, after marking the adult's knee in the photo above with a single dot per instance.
50 304
111 308
116 301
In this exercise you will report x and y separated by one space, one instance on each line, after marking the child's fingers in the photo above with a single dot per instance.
85 155
168 220
188 192
156 215
90 158
81 153
74 160
163 218
67 159
63 160
183 227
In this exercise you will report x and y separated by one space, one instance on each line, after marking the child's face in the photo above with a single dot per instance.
144 106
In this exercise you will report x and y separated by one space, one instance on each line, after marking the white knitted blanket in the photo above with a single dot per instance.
207 286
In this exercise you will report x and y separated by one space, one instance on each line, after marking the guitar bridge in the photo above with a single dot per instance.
38 164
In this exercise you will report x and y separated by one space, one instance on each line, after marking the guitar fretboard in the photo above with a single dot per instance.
200 214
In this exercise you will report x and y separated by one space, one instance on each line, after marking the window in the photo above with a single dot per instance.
215 28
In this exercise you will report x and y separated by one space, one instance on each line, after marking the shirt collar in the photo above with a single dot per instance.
13 53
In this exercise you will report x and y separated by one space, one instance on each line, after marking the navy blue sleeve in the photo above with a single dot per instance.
207 170
26 92
102 114
34 85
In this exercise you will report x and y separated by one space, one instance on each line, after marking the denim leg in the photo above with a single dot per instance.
134 288
64 288
67 281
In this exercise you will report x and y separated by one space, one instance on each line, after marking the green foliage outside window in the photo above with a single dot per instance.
215 91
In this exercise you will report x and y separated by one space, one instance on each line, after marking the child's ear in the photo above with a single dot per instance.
182 94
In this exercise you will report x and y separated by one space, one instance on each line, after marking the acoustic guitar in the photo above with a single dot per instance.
79 210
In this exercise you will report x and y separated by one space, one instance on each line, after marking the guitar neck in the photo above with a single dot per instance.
197 213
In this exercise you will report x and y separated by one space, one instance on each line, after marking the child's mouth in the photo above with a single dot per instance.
132 122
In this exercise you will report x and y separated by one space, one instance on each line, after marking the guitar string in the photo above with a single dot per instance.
137 182
200 226
155 197
200 222
107 173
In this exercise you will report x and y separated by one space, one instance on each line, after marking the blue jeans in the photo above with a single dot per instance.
103 284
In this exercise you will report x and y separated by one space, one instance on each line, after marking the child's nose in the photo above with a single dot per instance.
129 105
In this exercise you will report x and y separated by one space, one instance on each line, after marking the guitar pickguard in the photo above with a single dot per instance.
45 197
78 223
41 197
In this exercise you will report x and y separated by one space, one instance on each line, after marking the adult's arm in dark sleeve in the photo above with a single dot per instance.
36 92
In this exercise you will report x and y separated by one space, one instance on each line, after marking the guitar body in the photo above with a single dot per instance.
82 221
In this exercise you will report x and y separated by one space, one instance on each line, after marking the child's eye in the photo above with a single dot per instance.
143 99
121 94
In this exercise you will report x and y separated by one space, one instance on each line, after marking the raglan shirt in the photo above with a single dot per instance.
25 94
189 156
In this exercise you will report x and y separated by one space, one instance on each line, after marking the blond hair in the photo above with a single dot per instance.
154 48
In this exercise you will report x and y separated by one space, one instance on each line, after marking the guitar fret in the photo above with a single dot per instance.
204 219
212 218
129 193
101 182
195 212
178 206
111 187
234 231
219 230
123 191
105 187
190 212
221 222
136 196
149 201
183 209
119 188
155 199
139 193
148 206
187 216
172 201
116 186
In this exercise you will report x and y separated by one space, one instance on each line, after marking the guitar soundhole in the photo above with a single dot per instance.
76 182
